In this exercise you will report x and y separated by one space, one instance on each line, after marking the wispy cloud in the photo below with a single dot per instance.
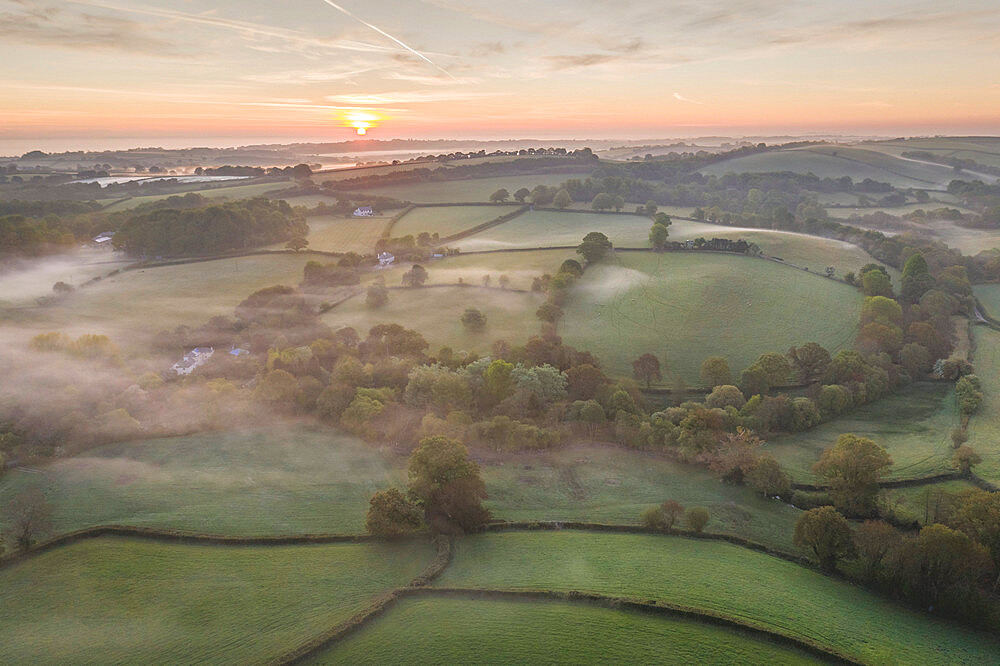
309 76
411 97
687 100
564 62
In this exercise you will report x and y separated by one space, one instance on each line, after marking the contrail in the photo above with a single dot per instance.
385 34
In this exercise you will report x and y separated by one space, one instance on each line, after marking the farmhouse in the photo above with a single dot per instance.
194 358
364 211
384 259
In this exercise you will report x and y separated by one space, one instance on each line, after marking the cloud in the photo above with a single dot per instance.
426 80
565 62
308 76
413 97
37 24
688 100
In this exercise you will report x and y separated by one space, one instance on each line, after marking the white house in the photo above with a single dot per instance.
364 211
194 358
102 239
384 259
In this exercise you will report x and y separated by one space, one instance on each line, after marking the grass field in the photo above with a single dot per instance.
837 161
913 425
601 484
686 307
474 189
229 192
463 631
920 502
984 427
286 480
985 150
552 228
446 220
333 233
989 296
114 600
436 313
134 305
717 577
520 267
22 283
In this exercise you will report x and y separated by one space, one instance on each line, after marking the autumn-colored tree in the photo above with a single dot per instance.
391 514
874 540
852 467
715 371
826 534
448 485
646 368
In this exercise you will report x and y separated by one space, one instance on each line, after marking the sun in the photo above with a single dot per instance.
361 121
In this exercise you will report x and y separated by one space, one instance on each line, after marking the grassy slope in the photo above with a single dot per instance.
436 312
460 631
446 220
134 305
272 482
333 233
475 189
230 192
718 577
113 600
600 484
520 267
984 427
913 426
686 307
918 503
855 162
985 150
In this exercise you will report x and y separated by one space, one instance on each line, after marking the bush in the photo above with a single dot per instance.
696 518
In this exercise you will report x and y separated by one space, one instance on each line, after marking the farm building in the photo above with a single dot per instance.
364 211
102 239
194 358
238 351
384 259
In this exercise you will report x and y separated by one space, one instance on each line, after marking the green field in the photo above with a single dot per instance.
436 313
989 296
552 228
913 425
985 150
21 285
685 307
111 600
446 220
228 192
984 427
334 233
721 578
520 267
919 503
134 305
837 161
474 189
463 631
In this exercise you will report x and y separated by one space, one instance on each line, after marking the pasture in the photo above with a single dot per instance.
466 631
279 481
473 189
446 220
913 425
982 149
231 192
520 267
334 233
989 296
719 578
922 503
117 600
684 307
984 426
837 161
436 313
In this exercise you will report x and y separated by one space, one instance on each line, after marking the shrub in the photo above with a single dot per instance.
696 518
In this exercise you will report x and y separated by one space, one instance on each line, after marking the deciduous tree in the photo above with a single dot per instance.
826 534
852 467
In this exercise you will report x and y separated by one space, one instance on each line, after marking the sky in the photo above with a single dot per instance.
315 69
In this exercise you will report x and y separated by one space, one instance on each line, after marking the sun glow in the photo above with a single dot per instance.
361 121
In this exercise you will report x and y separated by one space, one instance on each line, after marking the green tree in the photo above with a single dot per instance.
917 279
617 202
549 312
825 533
767 478
473 320
852 468
776 367
378 294
715 371
562 199
646 368
874 541
662 218
658 235
876 283
915 359
810 362
696 518
448 485
297 243
415 277
521 194
968 394
965 458
391 514
278 388
725 395
500 195
978 516
498 380
650 207
602 201
594 246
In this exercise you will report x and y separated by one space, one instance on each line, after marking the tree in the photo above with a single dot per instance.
825 533
498 380
646 368
602 201
562 199
594 246
504 281
500 195
915 359
415 277
448 485
672 511
29 515
852 467
917 279
650 208
297 243
618 202
767 477
521 194
943 563
549 312
391 514
734 455
810 361
978 515
696 518
62 288
378 294
965 458
775 366
874 540
658 235
473 320
968 394
876 283
715 371
278 388
724 396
